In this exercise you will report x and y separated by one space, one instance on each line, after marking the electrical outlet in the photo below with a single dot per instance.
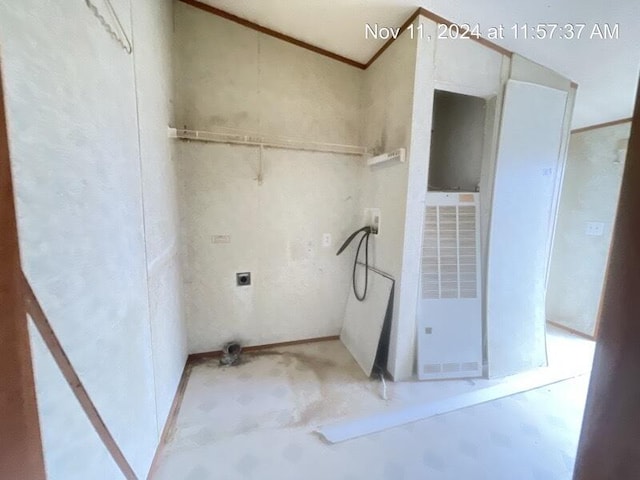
243 279
594 229
326 239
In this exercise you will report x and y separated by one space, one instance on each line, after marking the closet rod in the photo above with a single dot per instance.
257 140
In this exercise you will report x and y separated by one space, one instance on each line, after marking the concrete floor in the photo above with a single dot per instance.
256 420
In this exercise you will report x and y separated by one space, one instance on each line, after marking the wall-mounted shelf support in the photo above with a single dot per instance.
397 155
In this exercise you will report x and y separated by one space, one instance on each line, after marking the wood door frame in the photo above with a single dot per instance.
21 453
609 445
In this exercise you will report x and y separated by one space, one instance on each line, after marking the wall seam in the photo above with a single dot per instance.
144 221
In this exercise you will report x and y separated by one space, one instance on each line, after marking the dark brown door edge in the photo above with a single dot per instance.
20 442
21 455
609 445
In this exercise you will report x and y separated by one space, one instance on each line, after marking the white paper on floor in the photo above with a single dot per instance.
359 427
363 320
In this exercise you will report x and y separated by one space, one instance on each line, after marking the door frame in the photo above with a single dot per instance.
609 446
20 439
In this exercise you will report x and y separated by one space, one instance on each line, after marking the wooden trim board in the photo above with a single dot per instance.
273 33
354 63
482 41
388 43
217 353
571 330
20 439
170 423
68 372
601 125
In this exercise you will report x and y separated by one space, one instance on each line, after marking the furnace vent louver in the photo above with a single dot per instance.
449 254
450 307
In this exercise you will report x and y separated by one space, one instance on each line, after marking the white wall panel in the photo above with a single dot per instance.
589 194
465 66
528 153
153 38
397 101
76 159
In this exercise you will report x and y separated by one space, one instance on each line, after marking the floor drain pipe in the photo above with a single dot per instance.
230 353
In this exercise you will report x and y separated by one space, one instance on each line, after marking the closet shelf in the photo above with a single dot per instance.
237 137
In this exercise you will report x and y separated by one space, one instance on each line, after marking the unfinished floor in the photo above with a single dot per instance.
257 420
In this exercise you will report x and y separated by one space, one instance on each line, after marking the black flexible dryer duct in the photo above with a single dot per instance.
366 234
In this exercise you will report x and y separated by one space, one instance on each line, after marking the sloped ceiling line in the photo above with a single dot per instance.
268 31
273 33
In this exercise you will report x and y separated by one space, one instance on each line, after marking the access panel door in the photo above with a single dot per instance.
450 303
520 229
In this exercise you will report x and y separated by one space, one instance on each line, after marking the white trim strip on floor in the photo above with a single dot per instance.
349 429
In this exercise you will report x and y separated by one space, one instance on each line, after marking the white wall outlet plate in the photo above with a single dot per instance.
326 239
594 229
372 219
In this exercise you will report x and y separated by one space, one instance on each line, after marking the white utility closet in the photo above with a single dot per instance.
497 142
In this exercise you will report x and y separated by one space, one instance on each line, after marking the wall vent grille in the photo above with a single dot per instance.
449 259
453 367
432 368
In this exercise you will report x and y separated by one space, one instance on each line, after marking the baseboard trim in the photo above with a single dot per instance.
601 125
571 330
169 425
217 353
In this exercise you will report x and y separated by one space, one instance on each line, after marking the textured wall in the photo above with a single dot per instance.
76 157
589 194
299 288
387 103
230 76
153 37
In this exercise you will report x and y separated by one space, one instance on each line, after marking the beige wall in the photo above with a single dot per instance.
231 76
299 288
397 100
589 194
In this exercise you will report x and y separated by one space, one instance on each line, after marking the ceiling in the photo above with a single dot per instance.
605 70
